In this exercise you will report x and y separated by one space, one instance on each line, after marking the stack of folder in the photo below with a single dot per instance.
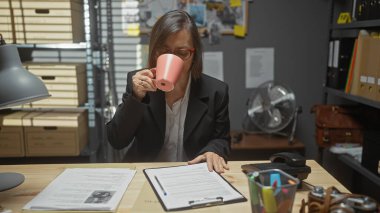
364 73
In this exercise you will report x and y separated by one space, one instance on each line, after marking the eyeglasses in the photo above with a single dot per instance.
184 53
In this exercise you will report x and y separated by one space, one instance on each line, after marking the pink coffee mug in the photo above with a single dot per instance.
168 70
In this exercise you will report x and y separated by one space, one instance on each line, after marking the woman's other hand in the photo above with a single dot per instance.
142 82
214 162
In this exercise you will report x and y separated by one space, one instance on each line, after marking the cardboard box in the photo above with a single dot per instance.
56 134
12 141
42 21
66 84
12 134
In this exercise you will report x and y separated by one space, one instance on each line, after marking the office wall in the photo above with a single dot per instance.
298 30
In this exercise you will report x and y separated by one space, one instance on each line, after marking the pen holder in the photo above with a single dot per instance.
272 191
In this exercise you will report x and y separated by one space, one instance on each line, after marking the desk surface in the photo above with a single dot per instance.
38 176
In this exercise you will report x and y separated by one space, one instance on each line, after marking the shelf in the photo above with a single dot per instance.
53 109
355 165
64 46
350 97
345 33
358 24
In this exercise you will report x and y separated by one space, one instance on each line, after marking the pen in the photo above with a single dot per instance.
162 188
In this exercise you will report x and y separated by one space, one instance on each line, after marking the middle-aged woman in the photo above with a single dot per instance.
191 122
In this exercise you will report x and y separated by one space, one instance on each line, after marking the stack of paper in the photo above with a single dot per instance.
84 189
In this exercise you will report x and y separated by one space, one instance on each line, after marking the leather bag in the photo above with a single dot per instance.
337 124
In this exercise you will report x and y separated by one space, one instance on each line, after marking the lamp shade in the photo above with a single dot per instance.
17 85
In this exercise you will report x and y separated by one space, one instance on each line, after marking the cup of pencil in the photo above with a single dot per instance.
272 191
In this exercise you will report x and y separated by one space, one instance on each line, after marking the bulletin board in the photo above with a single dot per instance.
213 16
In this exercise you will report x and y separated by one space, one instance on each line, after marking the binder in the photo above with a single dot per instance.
338 72
196 192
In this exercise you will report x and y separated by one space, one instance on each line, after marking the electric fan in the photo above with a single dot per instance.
272 110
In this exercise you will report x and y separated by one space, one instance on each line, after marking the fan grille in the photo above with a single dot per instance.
272 106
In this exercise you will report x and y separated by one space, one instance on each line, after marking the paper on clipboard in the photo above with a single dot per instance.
185 187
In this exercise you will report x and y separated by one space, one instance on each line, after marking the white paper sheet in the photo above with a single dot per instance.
213 64
179 187
259 66
95 189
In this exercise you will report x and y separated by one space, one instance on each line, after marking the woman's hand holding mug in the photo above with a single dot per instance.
168 70
142 82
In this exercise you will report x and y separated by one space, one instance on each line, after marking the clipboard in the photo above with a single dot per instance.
186 187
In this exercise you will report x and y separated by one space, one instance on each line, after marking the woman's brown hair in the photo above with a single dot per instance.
171 23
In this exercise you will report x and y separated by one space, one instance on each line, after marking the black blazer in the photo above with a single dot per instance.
207 123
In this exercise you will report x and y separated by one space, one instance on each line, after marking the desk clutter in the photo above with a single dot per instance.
53 133
141 196
332 200
42 21
272 190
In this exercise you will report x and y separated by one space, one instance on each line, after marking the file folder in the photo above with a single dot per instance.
368 89
360 63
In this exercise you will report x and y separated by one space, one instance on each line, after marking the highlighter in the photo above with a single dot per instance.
253 189
275 182
269 200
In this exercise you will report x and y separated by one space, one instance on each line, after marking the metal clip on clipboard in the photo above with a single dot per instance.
207 201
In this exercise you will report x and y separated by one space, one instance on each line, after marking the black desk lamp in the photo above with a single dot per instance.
17 86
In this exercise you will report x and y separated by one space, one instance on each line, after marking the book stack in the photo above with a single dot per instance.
66 84
42 21
45 133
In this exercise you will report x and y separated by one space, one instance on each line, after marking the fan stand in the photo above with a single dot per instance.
289 131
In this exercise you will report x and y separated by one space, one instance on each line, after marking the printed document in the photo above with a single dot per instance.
87 189
191 186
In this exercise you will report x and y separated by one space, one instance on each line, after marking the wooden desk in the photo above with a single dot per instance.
38 176
262 146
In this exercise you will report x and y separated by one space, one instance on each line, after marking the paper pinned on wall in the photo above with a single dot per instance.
235 3
213 64
259 65
239 30
132 29
130 18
